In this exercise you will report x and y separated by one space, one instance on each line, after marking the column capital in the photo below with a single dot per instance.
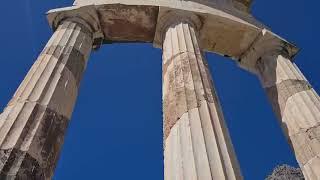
266 44
86 16
168 18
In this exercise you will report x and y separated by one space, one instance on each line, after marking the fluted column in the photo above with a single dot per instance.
196 140
297 106
33 124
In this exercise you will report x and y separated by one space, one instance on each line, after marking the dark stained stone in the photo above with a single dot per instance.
76 64
129 23
33 134
53 132
76 61
18 164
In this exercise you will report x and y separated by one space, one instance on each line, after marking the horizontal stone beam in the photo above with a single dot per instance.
243 5
225 30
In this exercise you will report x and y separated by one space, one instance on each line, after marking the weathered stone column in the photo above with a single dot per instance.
294 101
196 140
297 105
33 124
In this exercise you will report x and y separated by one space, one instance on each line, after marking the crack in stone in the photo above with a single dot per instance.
314 135
171 124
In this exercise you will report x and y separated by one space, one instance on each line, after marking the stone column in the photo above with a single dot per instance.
294 101
296 105
196 140
33 124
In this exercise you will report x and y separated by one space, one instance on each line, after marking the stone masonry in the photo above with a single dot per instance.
294 101
33 124
197 144
297 106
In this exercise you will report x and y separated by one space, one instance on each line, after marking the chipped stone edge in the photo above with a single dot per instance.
266 43
203 15
204 11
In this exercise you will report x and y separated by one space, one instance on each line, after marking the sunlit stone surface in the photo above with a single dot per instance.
297 105
196 140
294 101
33 124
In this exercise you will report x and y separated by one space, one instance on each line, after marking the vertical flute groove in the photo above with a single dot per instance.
297 107
33 124
196 145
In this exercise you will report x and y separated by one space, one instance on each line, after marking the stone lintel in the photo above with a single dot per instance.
86 15
242 5
266 43
225 30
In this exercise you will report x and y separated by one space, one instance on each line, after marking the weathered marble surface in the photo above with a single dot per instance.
33 124
196 140
293 99
242 5
137 21
297 106
197 143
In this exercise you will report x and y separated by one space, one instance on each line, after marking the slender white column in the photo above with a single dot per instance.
196 139
297 106
33 124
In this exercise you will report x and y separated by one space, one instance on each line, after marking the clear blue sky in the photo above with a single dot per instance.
116 128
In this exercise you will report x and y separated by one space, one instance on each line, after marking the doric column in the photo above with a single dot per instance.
196 140
33 124
294 101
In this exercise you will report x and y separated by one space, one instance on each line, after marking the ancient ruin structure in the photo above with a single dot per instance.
196 140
